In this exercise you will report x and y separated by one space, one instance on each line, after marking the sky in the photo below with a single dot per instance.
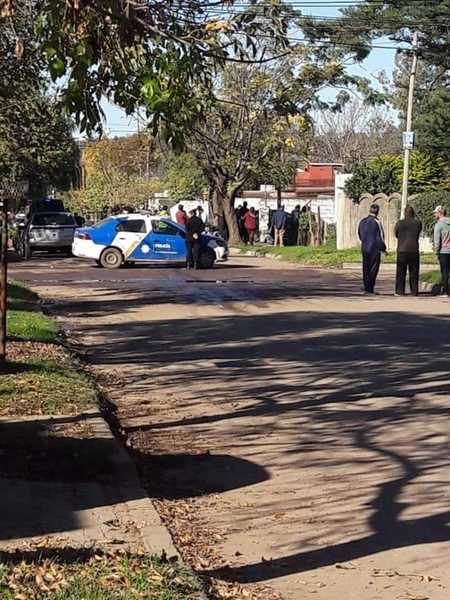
380 59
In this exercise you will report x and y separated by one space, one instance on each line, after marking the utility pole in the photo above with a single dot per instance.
9 191
408 136
3 272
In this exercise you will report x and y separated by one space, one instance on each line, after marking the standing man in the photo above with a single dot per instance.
371 235
295 217
442 246
164 212
407 232
194 229
241 213
181 215
279 222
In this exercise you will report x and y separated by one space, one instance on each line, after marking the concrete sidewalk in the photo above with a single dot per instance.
68 483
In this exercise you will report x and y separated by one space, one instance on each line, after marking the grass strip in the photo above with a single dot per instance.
39 376
322 256
100 577
24 319
433 277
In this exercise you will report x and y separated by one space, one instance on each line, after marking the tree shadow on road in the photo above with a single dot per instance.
362 397
53 469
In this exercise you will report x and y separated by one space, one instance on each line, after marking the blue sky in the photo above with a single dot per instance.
118 123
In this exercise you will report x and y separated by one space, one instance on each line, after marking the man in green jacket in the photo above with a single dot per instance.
442 246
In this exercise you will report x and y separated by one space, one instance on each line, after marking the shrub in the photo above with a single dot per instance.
384 174
424 205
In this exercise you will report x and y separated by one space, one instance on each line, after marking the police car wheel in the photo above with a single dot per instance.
111 258
207 259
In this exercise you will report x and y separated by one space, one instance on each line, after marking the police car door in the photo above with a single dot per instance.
167 241
130 232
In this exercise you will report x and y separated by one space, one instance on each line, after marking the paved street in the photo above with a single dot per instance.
307 422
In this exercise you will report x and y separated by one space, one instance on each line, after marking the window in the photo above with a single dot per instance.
53 219
166 228
103 222
132 226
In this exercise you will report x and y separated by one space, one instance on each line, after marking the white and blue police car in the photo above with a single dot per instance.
141 238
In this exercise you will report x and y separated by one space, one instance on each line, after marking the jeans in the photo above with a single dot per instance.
407 261
444 260
371 266
192 253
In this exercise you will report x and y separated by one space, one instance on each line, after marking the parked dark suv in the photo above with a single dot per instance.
52 231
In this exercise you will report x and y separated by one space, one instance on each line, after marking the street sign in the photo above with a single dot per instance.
409 138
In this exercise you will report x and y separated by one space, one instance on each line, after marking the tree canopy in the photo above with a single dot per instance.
384 175
184 178
35 137
354 135
146 54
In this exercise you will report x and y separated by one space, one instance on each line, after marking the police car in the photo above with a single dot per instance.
141 238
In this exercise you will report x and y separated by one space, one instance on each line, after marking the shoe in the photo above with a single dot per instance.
444 296
398 295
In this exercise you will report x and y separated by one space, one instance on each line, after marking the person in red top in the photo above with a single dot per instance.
181 216
250 221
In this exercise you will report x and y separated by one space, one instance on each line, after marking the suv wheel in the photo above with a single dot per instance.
111 258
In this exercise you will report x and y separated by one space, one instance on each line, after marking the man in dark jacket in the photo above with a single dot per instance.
194 229
371 235
407 231
279 223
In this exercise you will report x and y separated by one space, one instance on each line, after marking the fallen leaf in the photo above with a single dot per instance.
346 566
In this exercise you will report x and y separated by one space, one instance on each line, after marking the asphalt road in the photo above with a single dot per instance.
297 429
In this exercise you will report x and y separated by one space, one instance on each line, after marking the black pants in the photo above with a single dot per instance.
444 260
192 253
407 261
371 266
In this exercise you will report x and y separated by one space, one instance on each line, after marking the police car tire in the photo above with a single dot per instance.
111 258
207 258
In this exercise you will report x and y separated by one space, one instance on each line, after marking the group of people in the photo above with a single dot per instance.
195 226
407 231
247 220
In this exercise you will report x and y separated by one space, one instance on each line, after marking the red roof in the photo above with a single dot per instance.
316 175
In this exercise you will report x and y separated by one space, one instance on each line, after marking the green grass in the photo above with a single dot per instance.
322 256
24 320
431 277
42 379
111 577
40 376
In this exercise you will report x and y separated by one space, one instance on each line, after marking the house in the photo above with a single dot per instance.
314 185
316 179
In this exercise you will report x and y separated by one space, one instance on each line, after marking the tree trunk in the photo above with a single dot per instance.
234 237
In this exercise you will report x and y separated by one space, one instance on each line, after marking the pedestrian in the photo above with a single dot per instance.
279 222
240 215
181 215
295 218
194 229
371 235
442 246
250 221
164 212
79 220
407 232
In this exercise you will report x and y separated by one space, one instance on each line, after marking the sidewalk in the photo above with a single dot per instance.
67 483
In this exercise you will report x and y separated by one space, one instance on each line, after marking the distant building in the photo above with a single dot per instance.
314 185
316 179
